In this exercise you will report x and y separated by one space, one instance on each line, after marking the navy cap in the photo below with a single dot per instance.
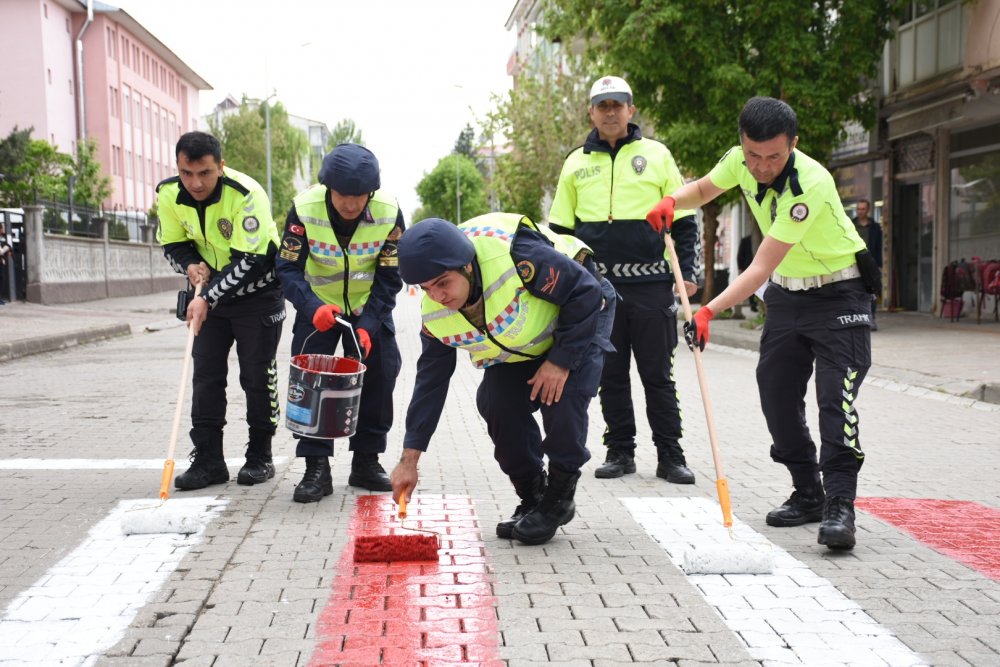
431 247
351 170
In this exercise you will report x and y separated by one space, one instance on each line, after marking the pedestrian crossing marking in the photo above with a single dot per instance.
792 616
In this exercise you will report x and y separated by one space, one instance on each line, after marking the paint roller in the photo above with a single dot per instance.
734 557
164 517
396 547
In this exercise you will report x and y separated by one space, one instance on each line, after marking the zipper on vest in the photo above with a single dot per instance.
347 272
611 194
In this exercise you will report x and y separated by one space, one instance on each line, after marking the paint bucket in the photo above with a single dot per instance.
324 396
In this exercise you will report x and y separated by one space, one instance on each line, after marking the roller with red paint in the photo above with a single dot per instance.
396 547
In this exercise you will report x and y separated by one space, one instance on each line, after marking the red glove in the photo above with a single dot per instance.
696 331
365 341
323 318
662 215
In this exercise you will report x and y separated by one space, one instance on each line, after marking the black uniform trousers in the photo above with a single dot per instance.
381 369
646 326
504 401
827 327
253 322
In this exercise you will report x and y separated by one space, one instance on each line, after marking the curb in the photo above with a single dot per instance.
41 344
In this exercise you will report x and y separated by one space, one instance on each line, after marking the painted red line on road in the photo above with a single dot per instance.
960 529
412 613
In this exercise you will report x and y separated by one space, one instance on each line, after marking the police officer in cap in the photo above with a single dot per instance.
531 310
216 228
338 258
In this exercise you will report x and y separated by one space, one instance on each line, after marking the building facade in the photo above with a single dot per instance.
97 74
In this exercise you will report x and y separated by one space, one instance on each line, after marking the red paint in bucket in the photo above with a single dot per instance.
324 396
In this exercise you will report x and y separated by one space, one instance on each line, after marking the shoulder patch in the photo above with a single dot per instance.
799 212
225 228
526 271
250 224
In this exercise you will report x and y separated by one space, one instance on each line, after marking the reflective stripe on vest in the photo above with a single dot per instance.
329 266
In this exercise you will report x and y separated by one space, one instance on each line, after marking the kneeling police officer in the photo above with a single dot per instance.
532 311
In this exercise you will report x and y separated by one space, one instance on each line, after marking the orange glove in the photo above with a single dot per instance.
696 331
365 341
323 318
662 215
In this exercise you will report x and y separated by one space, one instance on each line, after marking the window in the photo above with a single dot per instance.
114 160
45 9
50 75
156 125
149 118
928 41
124 51
138 113
128 164
127 105
974 221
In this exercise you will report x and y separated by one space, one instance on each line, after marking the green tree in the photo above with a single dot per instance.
41 173
13 148
437 190
244 147
692 65
92 187
344 132
544 116
466 143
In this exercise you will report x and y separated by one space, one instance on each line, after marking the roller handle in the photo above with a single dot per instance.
168 465
721 485
402 504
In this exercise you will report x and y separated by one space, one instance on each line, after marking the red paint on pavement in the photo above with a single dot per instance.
418 613
961 529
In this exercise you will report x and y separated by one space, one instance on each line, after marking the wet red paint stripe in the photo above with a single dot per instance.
961 529
412 613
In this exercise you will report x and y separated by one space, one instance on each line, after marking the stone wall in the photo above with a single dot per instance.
68 269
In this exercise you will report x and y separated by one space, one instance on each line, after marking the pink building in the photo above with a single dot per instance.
138 96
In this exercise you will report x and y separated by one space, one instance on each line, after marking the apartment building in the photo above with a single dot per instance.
77 71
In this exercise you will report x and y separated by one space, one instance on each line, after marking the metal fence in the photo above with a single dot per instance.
59 218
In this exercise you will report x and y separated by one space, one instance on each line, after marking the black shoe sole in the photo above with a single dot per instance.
837 540
303 498
603 473
675 479
370 484
246 479
535 541
778 522
184 486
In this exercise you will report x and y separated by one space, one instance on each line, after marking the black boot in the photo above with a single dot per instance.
555 509
804 506
368 473
618 462
259 466
317 481
672 466
530 491
837 529
208 465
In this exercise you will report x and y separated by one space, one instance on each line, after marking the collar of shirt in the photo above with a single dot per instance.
594 143
184 197
789 175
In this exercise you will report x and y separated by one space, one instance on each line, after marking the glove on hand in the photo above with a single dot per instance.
324 317
365 341
662 215
696 331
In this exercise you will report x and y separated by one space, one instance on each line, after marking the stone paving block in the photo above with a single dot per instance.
644 652
146 647
617 651
137 661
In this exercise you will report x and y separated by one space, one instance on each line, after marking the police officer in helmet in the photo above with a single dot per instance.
338 259
531 310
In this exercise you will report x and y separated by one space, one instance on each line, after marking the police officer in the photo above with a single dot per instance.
605 190
531 310
818 311
216 228
338 258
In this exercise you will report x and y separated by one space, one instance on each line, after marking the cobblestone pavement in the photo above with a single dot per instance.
268 580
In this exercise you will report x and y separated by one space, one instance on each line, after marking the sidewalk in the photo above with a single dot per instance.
911 352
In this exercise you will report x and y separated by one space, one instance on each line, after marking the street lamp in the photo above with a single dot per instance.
458 177
267 141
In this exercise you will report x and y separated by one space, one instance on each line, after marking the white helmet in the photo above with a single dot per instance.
610 88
